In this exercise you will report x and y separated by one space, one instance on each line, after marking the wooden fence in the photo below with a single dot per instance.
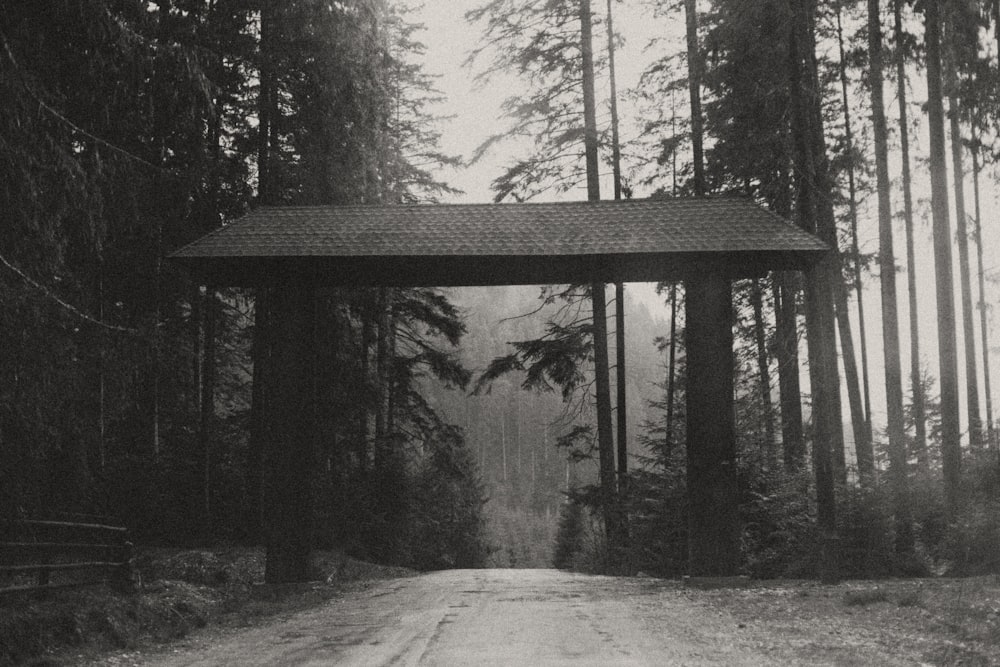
63 551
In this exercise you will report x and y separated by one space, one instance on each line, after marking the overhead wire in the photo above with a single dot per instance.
66 121
25 84
64 304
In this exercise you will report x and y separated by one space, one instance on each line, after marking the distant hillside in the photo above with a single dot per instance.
513 431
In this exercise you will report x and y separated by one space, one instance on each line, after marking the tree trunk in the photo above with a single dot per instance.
673 151
671 371
533 474
823 375
211 305
102 389
208 375
916 383
364 413
785 287
887 274
859 421
616 171
602 379
866 458
391 398
503 446
787 345
951 449
616 151
694 88
763 371
157 363
964 268
620 382
812 184
197 352
384 374
260 354
983 328
265 106
261 345
517 435
605 435
156 336
589 104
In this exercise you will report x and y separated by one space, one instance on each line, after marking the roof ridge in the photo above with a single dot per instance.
726 196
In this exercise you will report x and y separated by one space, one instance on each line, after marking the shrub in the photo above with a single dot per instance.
593 556
569 537
779 527
866 533
972 543
657 509
447 521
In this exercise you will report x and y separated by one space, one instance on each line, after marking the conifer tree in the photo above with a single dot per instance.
951 452
916 386
957 39
860 416
887 267
815 214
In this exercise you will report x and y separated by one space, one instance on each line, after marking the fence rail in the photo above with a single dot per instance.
51 553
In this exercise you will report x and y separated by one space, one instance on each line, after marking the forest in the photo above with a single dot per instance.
464 427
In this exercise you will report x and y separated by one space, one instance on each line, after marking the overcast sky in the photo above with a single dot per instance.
476 108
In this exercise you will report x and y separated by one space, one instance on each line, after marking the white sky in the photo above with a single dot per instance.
477 108
477 115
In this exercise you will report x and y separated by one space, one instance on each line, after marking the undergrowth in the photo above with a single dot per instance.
179 591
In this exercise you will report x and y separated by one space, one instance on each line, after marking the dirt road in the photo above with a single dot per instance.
528 617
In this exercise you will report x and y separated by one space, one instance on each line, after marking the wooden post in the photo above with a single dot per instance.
290 456
713 528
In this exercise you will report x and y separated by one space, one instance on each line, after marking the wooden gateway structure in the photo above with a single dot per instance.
705 242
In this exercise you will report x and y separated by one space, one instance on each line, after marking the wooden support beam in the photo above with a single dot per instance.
290 444
714 529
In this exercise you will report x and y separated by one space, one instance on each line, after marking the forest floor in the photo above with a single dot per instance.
364 613
941 621
180 591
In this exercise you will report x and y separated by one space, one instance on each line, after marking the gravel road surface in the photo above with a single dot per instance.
512 617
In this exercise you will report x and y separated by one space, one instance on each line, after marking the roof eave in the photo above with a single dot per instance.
478 270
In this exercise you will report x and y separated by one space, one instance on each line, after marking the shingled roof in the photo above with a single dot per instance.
484 244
